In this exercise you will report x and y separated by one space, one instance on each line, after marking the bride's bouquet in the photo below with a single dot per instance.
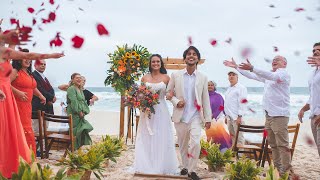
142 97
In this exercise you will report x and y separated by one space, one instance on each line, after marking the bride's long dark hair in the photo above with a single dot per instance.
162 68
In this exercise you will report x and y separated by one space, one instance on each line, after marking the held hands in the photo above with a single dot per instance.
230 63
181 104
314 61
2 96
169 95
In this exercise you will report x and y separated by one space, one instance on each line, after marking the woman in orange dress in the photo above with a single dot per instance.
24 86
12 139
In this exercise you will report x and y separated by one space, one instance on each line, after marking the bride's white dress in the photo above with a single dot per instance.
155 149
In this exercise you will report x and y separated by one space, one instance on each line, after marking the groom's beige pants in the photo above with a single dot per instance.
189 132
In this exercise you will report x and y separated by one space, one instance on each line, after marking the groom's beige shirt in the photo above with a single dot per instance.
176 85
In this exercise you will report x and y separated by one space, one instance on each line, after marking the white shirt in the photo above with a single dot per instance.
42 75
190 111
276 97
233 105
314 89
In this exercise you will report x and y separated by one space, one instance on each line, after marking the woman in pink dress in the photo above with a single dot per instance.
12 139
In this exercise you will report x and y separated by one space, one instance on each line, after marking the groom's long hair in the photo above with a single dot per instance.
162 68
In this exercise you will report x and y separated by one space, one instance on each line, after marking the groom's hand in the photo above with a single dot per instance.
208 125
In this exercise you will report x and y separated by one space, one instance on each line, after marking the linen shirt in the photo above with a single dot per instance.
233 104
314 89
276 96
190 110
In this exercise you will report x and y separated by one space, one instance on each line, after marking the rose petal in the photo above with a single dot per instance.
34 44
42 4
102 30
221 108
34 21
277 17
267 60
80 9
213 42
14 21
299 9
190 41
77 41
229 40
246 52
40 11
289 25
310 18
275 49
271 6
52 16
250 109
51 1
243 101
58 7
265 133
31 10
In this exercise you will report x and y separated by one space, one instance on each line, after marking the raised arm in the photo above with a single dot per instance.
8 53
279 75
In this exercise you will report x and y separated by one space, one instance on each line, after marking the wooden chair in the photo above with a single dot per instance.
291 129
38 131
58 137
247 148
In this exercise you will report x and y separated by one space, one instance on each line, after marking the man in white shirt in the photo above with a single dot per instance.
313 103
234 106
276 103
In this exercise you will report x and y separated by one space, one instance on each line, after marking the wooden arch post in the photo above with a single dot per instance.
169 63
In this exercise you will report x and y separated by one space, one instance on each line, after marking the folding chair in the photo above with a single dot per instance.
247 148
58 137
38 131
291 129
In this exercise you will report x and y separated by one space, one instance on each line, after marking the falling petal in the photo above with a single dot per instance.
277 17
270 25
45 21
265 133
34 21
77 21
309 140
31 10
40 28
289 25
275 49
34 44
297 53
40 11
51 1
246 52
213 42
58 7
299 9
251 110
271 6
229 40
243 101
56 41
42 4
52 16
14 21
310 18
267 60
221 108
102 30
77 41
190 40
81 9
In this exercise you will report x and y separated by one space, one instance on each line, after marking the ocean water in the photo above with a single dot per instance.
109 100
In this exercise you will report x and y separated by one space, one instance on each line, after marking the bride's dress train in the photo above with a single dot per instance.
155 148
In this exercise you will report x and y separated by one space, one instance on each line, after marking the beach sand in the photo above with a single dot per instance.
305 162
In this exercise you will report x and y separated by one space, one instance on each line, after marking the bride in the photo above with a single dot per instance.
155 149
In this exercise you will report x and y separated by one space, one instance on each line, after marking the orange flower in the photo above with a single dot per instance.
122 69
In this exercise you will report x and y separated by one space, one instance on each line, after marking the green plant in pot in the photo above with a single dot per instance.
111 147
213 157
243 169
85 162
273 174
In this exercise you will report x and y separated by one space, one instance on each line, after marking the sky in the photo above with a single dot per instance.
164 27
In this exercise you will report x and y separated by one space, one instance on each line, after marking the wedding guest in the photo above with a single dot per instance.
234 106
78 107
44 87
276 104
217 132
12 134
89 96
313 103
23 87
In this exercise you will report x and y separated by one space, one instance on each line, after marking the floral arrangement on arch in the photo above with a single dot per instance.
142 97
127 65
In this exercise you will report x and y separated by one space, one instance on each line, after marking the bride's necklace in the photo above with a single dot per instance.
155 78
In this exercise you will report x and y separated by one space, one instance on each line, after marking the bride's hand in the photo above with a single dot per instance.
169 95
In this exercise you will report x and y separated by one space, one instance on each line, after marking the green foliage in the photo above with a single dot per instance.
111 147
273 174
243 169
85 161
212 155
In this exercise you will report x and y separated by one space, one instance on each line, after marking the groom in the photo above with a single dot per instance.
188 92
